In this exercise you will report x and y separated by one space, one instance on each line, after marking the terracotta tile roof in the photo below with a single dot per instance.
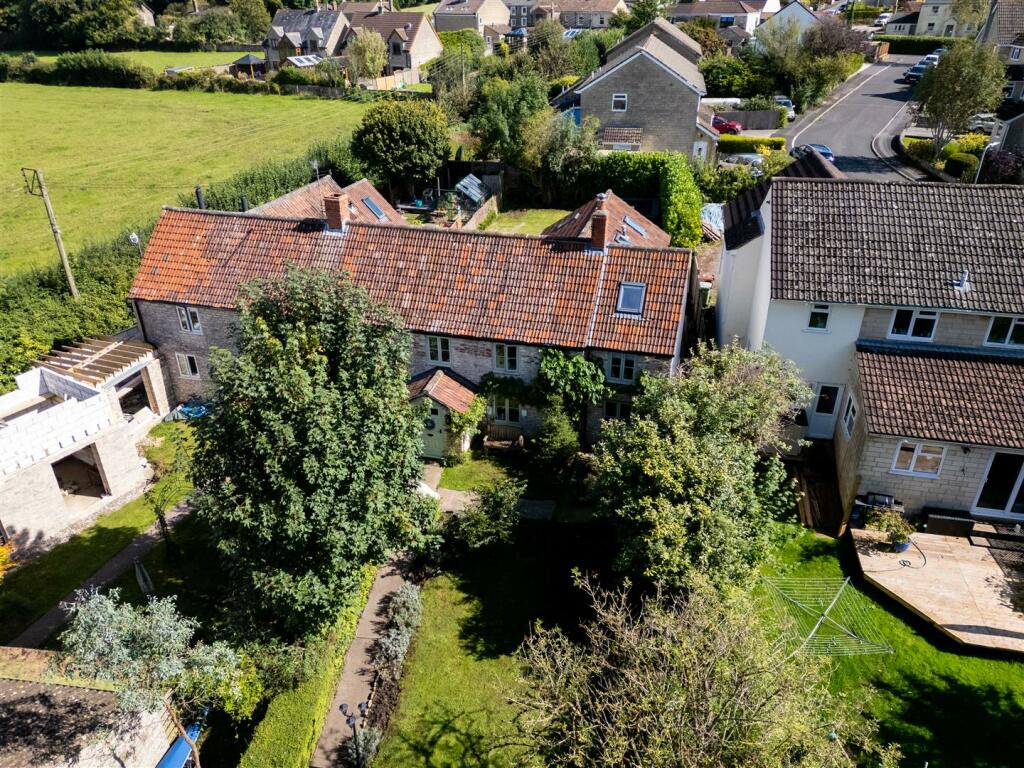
529 290
407 23
307 202
444 386
741 224
948 394
863 242
577 223
621 135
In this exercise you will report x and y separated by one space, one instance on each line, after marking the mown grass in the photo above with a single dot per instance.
34 588
113 156
525 222
161 60
476 471
942 705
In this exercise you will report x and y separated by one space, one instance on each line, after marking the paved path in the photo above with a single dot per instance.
860 119
52 620
357 675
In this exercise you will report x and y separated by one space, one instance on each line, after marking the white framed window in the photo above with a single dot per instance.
1015 54
617 409
1006 331
506 357
600 21
915 324
439 349
188 366
188 319
817 321
631 298
849 416
918 459
505 411
620 102
622 369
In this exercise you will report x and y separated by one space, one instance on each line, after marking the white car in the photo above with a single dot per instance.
983 122
882 19
785 101
931 60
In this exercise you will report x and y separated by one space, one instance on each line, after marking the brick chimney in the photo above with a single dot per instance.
336 210
599 224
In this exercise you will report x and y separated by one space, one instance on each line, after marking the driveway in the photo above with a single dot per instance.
858 121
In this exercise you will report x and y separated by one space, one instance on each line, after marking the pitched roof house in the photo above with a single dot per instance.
903 306
303 32
588 14
409 38
475 302
1005 21
647 96
794 13
453 15
626 225
363 200
669 34
728 13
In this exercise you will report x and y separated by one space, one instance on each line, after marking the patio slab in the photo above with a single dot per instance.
958 587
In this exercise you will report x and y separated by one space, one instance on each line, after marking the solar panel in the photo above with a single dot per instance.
374 208
634 225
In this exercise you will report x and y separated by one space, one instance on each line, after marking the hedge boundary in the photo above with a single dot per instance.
729 144
289 731
914 44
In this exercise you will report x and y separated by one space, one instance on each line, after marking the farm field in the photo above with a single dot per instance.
113 156
160 60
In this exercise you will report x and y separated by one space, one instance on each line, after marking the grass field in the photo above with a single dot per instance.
161 60
525 222
113 156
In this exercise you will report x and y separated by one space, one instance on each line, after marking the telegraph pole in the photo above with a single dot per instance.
35 185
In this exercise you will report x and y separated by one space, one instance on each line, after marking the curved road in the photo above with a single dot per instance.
859 120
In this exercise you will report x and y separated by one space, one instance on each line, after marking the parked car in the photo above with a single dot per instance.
983 122
940 52
882 19
821 149
915 73
930 60
785 101
753 159
722 125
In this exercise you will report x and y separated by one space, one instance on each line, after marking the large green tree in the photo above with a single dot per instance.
367 55
691 682
558 154
967 80
503 110
685 480
404 142
253 16
77 24
305 470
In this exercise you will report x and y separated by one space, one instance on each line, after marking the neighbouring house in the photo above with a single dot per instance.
1003 26
361 198
936 18
303 32
409 38
1009 134
903 306
588 14
631 307
735 37
647 96
145 15
452 15
728 13
626 225
69 435
526 13
794 13
494 35
351 10
904 24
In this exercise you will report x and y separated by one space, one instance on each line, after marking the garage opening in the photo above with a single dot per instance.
132 395
79 479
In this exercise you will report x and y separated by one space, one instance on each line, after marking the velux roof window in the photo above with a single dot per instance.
631 298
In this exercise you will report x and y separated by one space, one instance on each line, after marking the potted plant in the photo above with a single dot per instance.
892 523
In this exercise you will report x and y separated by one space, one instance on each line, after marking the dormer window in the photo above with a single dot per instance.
1006 331
631 298
913 324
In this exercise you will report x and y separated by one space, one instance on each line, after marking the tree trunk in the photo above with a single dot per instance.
182 732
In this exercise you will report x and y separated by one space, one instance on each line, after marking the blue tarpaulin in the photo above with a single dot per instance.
179 753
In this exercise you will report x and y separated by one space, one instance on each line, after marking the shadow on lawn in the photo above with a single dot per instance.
445 736
951 724
513 586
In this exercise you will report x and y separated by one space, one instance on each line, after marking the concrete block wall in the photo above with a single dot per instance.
953 328
66 426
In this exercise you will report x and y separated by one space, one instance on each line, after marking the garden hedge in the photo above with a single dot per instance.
95 68
914 44
962 166
731 145
287 735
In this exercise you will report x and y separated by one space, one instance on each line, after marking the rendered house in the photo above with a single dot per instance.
904 24
68 436
309 32
409 38
647 96
903 306
936 18
588 14
794 13
526 13
1004 28
615 299
728 13
452 15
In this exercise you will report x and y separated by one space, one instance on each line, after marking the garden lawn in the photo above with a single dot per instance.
526 222
31 590
943 706
161 60
113 156
474 472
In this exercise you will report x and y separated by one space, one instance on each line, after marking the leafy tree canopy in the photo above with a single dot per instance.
367 55
503 110
253 16
711 43
305 469
558 154
403 142
81 24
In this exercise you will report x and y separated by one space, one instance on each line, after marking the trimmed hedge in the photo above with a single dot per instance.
915 44
962 166
212 82
681 202
95 68
731 145
287 735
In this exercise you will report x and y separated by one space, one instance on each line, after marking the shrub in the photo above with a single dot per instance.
363 746
951 148
914 44
731 145
720 185
492 518
390 649
922 149
728 76
762 102
680 202
557 443
962 166
406 607
890 522
559 84
95 68
973 143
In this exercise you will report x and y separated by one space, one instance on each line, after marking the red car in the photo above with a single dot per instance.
722 125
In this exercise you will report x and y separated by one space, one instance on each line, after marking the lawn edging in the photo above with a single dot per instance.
288 733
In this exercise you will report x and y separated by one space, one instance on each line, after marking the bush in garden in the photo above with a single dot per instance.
557 443
962 166
363 746
390 650
492 518
922 149
406 607
731 145
973 143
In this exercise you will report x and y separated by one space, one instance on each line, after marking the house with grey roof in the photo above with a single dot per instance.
1003 26
726 13
903 307
647 96
303 32
452 15
408 36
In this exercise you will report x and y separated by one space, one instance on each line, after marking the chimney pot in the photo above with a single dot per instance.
336 210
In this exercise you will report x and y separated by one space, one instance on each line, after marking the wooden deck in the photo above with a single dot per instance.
959 588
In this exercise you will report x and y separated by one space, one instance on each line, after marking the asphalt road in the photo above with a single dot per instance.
858 121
